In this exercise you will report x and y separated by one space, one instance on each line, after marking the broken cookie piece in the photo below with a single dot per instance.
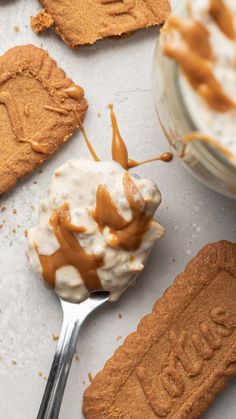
86 22
40 108
41 21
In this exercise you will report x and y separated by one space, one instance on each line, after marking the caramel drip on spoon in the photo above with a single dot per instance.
201 77
223 17
194 34
125 234
70 252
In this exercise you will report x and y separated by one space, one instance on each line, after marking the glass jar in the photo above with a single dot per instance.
205 162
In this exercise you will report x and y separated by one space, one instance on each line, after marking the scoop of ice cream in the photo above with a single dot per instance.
95 230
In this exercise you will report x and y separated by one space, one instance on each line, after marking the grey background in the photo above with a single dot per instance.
118 72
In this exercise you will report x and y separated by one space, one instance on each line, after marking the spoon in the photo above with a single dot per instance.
73 317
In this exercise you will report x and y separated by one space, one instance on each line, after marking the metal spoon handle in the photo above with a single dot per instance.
74 316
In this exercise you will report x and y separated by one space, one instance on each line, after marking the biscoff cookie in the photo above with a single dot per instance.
182 354
40 108
84 22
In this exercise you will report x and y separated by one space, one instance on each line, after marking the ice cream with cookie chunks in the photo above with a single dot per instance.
202 41
96 227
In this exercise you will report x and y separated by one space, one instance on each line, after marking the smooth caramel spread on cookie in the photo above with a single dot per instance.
79 22
40 108
182 354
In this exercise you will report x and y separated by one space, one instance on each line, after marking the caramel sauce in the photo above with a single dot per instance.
120 152
55 109
165 157
125 234
119 149
75 92
200 75
37 147
70 252
194 34
223 17
194 55
198 136
89 145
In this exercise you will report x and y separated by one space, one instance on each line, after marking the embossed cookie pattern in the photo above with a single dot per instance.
86 22
182 354
39 110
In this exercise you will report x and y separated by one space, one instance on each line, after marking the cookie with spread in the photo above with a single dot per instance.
40 108
182 354
86 22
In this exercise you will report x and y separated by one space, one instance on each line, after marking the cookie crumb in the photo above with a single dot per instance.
3 209
90 377
55 337
118 338
14 211
40 374
120 316
16 28
41 21
14 362
26 233
99 114
1 225
77 358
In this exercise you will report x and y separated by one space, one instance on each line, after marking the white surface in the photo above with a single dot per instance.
118 72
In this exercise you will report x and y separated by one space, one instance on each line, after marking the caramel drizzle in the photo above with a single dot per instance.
120 152
74 91
70 252
124 234
194 34
56 109
195 57
223 17
198 136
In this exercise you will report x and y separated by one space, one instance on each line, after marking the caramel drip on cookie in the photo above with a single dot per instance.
223 17
56 109
124 234
120 152
74 91
7 100
70 252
